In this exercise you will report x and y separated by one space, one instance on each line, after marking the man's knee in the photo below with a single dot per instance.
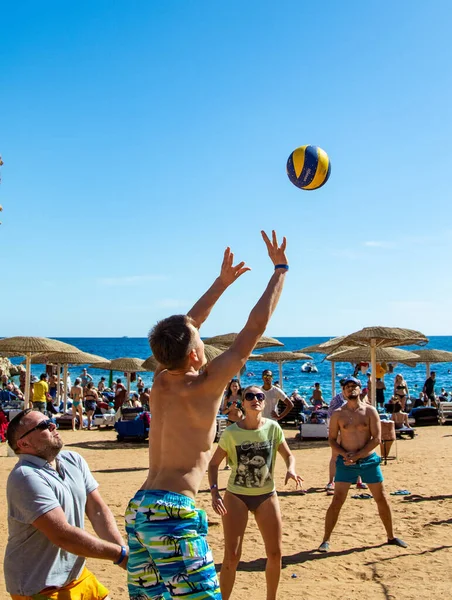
338 500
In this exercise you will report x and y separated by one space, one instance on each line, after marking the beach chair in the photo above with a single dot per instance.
403 432
133 424
222 423
425 415
293 416
445 412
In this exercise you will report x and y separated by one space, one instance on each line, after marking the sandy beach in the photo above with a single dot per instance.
359 565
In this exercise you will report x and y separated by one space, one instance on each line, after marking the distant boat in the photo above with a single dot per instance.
125 337
309 367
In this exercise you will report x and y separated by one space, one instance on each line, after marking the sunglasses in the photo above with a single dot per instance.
250 396
268 376
42 426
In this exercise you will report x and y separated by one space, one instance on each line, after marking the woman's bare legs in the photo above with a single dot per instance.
268 519
234 525
80 415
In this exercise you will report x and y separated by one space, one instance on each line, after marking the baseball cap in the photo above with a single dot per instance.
350 380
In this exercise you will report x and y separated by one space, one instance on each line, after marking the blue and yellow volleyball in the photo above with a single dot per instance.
308 167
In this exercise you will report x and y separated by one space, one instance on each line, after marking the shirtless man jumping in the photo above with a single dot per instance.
360 432
169 555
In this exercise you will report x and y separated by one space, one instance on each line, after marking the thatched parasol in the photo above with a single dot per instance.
211 352
280 357
362 354
27 346
428 356
124 364
375 337
326 347
229 338
65 359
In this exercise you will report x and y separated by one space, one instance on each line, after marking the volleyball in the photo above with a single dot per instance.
308 167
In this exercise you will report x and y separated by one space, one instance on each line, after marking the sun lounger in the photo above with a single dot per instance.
405 431
106 420
445 412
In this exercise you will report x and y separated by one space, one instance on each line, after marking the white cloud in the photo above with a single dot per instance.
130 280
379 244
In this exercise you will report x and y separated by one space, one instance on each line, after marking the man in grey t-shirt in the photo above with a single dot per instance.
48 493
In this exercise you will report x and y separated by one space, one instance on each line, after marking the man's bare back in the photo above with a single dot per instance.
184 402
182 432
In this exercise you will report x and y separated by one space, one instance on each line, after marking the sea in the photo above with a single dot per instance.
293 377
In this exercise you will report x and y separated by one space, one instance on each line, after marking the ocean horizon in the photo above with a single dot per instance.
293 378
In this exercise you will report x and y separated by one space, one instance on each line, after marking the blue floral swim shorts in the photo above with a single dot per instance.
169 555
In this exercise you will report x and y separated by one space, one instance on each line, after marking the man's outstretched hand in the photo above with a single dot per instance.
276 253
229 273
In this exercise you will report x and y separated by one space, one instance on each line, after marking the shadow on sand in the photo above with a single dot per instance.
107 445
300 558
419 498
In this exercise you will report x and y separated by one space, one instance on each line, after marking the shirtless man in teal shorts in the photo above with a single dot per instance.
169 556
360 432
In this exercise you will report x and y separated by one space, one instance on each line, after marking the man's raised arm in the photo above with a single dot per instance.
228 274
230 362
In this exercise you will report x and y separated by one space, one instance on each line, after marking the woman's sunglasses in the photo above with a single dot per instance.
42 426
250 396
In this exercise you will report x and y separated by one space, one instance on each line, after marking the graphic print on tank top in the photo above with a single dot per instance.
254 464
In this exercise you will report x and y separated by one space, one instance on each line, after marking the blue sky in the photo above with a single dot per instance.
140 139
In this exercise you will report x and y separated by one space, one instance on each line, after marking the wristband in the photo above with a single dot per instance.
213 487
286 267
122 555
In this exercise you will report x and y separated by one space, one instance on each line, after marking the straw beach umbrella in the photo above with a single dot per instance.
362 354
229 338
428 356
27 346
280 357
127 366
327 347
334 344
375 337
65 359
211 352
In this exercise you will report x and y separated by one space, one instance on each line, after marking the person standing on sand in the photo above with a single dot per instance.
48 493
336 403
169 555
251 445
360 430
77 404
273 394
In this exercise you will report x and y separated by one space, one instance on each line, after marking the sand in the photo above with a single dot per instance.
359 565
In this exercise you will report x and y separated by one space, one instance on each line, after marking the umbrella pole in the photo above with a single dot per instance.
65 388
58 384
27 378
128 385
333 376
280 375
373 360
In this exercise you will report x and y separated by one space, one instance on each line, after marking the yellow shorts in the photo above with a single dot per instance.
86 587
